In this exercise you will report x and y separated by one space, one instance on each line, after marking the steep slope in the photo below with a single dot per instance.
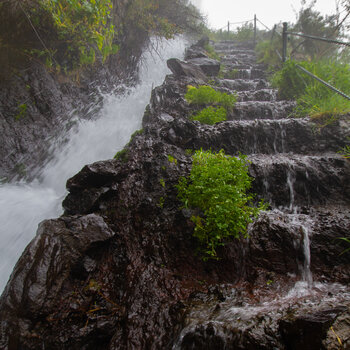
119 271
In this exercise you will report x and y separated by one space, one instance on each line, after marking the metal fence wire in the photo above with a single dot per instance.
284 55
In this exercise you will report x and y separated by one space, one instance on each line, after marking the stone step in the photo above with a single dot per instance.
293 181
258 95
243 84
226 45
265 136
247 73
262 110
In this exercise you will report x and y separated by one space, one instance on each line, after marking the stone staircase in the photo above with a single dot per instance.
298 171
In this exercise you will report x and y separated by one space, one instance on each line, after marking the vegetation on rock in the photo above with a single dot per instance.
69 34
204 95
217 192
313 98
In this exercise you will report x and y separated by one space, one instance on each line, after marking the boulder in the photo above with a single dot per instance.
209 66
180 68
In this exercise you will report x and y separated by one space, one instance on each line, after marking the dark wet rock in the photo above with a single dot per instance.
277 241
294 181
308 331
262 110
180 68
195 52
209 66
202 42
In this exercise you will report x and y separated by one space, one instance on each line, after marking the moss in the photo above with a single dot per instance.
122 155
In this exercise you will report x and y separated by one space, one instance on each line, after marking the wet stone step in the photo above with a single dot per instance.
244 84
249 73
264 136
296 181
262 110
240 59
258 95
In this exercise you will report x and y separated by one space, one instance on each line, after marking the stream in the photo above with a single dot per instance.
24 205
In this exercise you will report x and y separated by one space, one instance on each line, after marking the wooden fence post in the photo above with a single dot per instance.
254 30
285 39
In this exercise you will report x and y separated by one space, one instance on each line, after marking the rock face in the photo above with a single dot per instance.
119 270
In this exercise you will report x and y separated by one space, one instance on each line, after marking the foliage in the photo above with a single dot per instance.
122 155
347 240
242 33
172 159
67 35
345 151
312 22
313 98
217 186
266 52
163 18
205 95
211 115
21 111
211 52
84 29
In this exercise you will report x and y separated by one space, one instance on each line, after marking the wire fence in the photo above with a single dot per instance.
312 37
284 35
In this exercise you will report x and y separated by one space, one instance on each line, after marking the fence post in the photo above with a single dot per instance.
228 27
254 30
284 38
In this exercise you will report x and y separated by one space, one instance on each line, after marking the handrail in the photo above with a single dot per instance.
323 82
255 20
284 55
319 38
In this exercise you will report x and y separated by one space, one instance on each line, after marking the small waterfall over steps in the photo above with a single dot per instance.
298 171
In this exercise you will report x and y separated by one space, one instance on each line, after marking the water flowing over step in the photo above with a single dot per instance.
296 169
291 181
254 136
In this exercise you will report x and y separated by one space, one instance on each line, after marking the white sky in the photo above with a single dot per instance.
269 12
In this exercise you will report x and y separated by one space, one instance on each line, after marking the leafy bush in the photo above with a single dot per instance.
86 24
70 34
211 115
217 187
313 98
211 52
266 53
206 95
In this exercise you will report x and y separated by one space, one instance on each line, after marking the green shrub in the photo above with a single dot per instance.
217 187
206 95
211 115
211 52
21 111
84 28
266 53
122 155
313 98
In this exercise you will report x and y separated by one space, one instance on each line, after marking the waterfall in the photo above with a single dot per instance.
24 205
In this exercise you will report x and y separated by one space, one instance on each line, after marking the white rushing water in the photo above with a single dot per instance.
23 206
